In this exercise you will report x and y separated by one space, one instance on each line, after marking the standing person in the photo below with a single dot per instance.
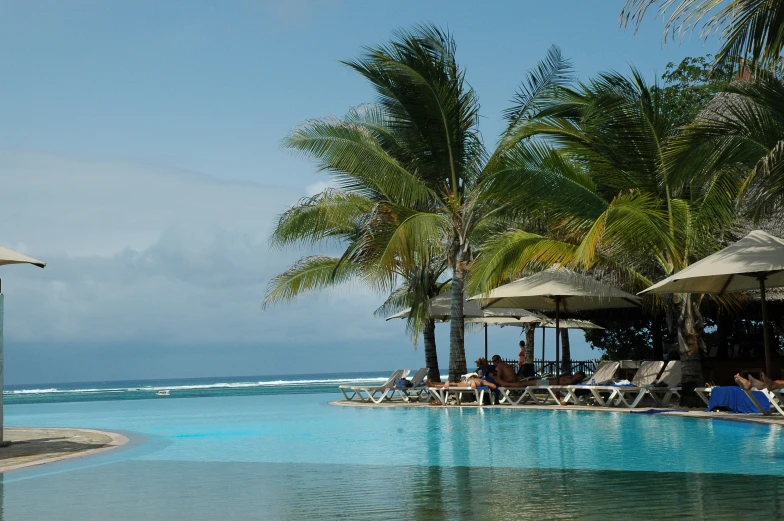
503 370
524 370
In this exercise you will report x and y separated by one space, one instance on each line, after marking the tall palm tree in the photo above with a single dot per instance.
750 29
417 157
591 166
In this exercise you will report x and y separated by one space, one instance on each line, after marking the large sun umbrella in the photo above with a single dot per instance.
440 309
9 257
556 290
755 262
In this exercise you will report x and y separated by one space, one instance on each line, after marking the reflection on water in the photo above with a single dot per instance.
171 490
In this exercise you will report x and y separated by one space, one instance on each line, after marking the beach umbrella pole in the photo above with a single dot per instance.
485 341
2 368
557 337
543 332
765 333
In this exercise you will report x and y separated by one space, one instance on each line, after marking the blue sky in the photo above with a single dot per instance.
140 157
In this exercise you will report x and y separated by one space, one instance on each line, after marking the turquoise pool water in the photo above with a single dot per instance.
295 457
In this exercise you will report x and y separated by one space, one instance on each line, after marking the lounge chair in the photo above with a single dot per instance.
417 388
668 384
619 394
370 393
603 374
442 395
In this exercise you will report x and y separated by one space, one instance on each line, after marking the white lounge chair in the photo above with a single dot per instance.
370 393
668 384
630 396
603 375
417 388
442 395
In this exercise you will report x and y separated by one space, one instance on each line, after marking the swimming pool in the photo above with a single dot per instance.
295 457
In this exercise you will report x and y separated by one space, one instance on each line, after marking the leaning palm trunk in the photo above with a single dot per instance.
566 353
685 319
431 355
457 361
529 343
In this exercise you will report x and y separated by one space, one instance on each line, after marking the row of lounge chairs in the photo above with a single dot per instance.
653 379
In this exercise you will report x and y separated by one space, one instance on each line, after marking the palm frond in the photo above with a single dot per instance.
308 274
356 159
750 29
332 214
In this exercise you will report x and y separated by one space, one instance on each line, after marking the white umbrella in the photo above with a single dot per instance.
556 290
754 262
9 257
440 308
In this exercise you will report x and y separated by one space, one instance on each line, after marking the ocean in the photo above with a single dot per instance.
188 387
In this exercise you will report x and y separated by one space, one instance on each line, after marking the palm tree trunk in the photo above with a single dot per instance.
529 343
566 363
431 355
457 361
683 315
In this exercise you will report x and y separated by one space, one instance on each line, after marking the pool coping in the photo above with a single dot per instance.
115 440
776 421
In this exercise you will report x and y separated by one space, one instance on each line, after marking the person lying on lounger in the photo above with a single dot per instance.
576 378
765 383
472 380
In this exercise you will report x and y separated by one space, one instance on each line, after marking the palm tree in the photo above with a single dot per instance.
417 158
750 29
357 220
591 165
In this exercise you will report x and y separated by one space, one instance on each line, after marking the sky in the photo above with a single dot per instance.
141 159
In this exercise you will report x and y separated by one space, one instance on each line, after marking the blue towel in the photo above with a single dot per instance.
736 401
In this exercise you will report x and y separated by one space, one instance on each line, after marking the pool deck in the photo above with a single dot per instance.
669 411
36 446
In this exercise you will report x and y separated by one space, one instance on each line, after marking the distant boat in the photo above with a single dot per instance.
163 392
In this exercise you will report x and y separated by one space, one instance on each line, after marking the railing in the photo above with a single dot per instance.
548 366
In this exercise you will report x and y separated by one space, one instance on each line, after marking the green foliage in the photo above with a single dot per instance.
622 339
690 85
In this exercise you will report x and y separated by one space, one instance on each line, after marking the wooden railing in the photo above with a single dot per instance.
548 366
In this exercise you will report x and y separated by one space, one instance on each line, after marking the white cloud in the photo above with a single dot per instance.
147 254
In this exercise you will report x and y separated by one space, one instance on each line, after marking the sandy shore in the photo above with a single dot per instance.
673 411
31 446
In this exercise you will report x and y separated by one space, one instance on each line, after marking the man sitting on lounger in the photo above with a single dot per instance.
765 383
504 370
576 378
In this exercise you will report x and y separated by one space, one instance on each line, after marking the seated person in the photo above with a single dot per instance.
483 367
504 370
765 383
576 378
